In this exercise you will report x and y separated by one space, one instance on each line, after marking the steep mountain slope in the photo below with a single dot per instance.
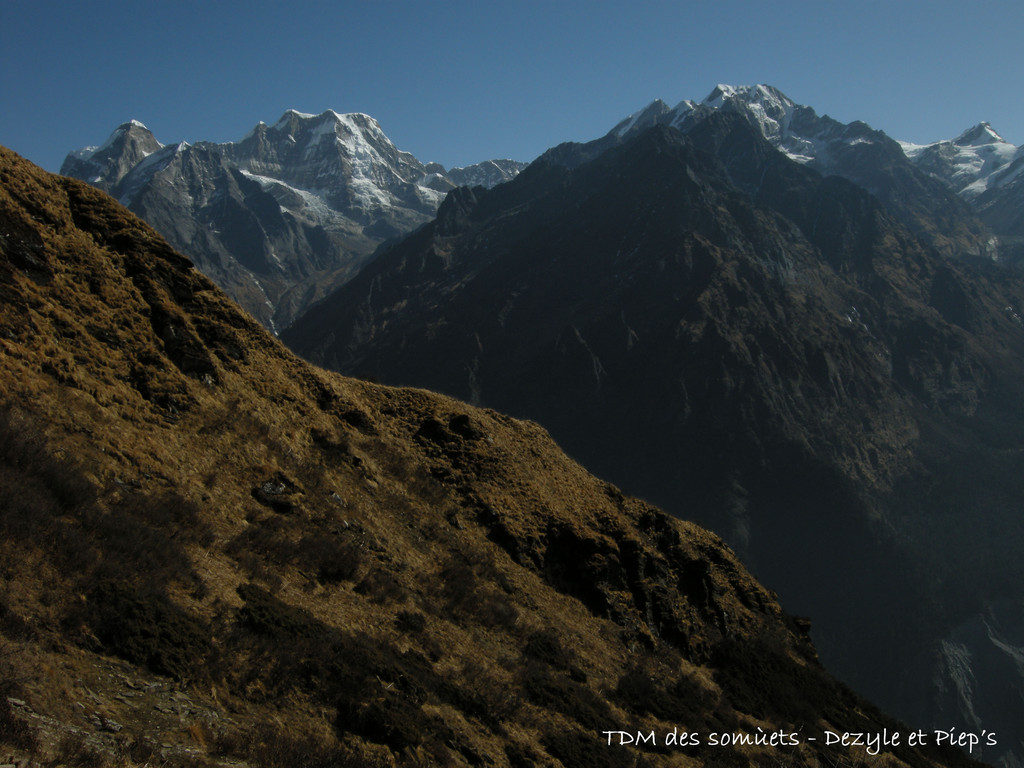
215 554
727 333
284 215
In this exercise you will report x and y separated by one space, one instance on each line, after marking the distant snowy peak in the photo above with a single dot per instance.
356 142
770 109
980 135
721 94
299 138
769 106
105 165
132 131
769 97
345 159
651 115
290 116
853 151
794 129
489 173
286 212
353 130
977 160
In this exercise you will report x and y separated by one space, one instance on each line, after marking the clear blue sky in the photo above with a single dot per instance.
459 81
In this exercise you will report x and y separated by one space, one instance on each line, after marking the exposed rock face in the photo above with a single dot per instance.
739 339
284 215
215 553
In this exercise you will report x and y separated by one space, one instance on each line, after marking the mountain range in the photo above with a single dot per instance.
979 165
292 211
280 217
800 332
215 554
817 352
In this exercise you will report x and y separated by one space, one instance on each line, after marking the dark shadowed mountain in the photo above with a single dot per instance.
784 356
287 213
855 151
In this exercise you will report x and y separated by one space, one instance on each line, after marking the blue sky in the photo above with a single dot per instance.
459 81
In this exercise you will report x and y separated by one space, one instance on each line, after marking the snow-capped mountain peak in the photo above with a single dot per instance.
719 95
123 132
489 173
854 151
289 117
793 129
278 215
767 105
645 118
344 158
105 165
980 135
977 160
294 122
769 97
